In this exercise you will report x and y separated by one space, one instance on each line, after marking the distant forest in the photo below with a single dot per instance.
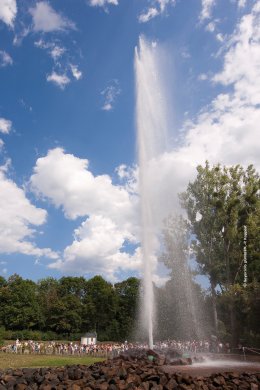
68 307
217 236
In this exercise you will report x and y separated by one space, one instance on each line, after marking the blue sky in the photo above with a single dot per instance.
68 191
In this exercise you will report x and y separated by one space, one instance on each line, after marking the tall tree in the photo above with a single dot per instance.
61 303
49 303
18 301
127 293
100 307
222 203
69 285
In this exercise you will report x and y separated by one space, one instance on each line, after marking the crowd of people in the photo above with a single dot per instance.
195 346
60 348
113 349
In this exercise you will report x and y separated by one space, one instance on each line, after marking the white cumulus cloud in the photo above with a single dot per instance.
241 3
76 73
54 49
210 27
5 59
148 15
17 216
60 80
62 65
5 126
206 9
46 19
102 3
158 8
68 183
98 249
110 212
8 11
242 61
56 52
220 37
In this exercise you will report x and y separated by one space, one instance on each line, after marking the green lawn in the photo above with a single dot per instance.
8 360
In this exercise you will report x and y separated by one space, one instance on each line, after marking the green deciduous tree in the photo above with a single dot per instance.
18 301
61 304
127 293
99 306
223 203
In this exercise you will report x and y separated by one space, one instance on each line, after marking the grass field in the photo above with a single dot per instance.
8 360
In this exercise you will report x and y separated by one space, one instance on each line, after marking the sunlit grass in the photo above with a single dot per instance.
8 360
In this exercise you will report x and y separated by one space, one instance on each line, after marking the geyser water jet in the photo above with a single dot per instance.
151 121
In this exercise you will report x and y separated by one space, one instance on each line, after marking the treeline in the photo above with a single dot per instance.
67 307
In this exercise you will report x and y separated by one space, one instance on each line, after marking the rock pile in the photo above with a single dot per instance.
121 374
170 357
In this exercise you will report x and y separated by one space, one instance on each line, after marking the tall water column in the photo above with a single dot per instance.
151 121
